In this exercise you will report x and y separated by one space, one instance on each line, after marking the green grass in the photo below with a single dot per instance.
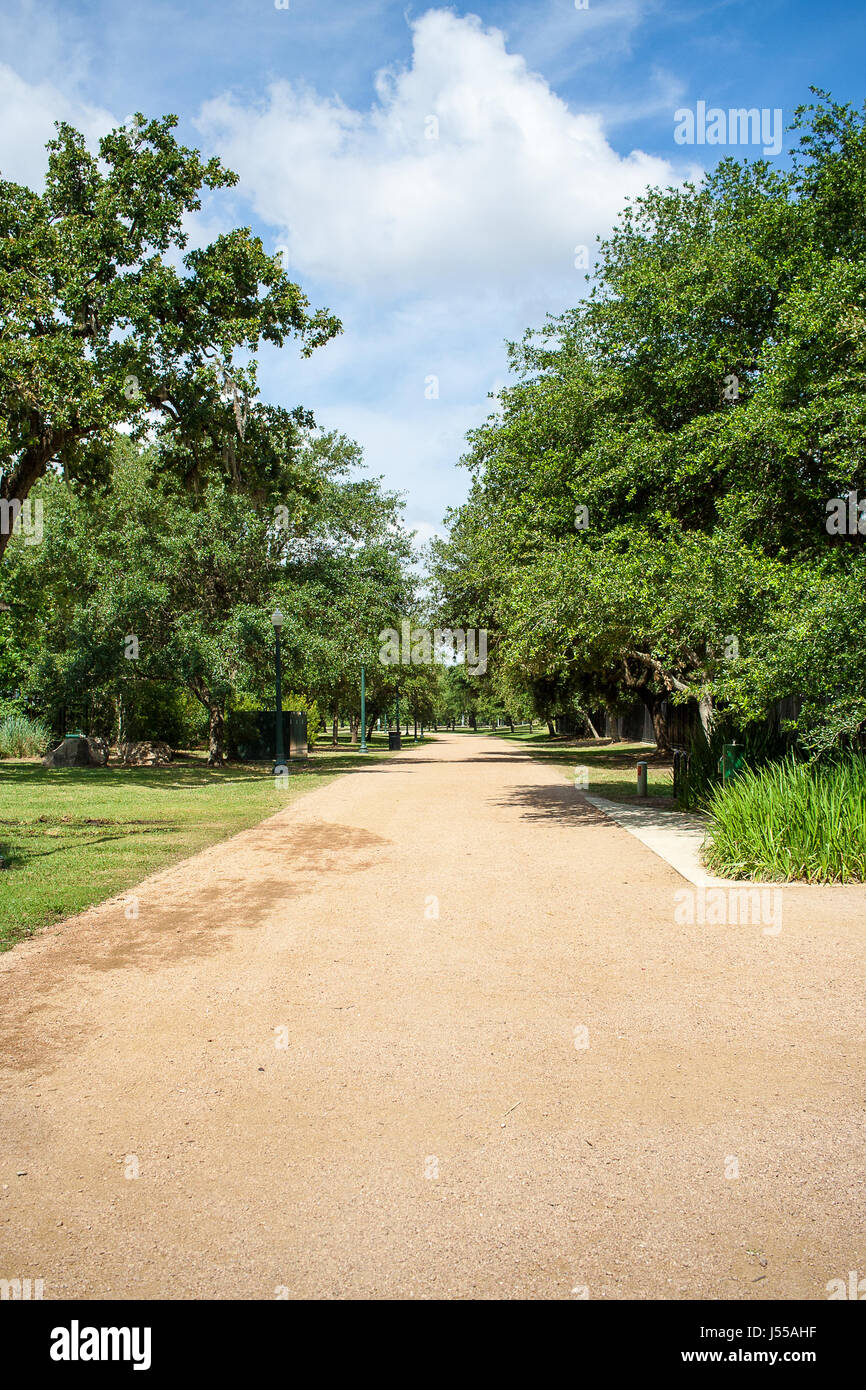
612 767
791 820
22 737
71 837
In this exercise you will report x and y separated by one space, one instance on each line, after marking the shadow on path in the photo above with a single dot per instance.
554 803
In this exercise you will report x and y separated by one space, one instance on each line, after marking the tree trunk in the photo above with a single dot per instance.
30 467
705 709
595 732
551 728
654 703
660 729
354 725
335 731
216 736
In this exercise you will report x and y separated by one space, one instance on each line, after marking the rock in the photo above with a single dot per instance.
78 752
98 751
146 754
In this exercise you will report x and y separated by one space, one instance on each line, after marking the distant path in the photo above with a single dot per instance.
430 1128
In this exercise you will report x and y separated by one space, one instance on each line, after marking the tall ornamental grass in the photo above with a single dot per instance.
758 746
22 737
791 820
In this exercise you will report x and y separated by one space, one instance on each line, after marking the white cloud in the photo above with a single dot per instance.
28 111
513 182
431 250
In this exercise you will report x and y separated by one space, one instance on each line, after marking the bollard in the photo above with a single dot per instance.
642 778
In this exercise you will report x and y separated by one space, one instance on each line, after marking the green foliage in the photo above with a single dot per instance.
104 322
792 820
758 746
159 710
704 569
304 704
194 578
242 730
22 737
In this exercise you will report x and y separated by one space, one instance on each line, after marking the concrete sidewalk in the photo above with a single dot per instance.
674 836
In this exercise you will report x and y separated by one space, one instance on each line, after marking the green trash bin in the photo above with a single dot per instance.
394 741
731 761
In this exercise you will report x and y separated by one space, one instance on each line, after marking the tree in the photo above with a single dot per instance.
100 328
148 582
659 472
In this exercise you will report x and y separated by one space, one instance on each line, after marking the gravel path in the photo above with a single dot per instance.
434 1031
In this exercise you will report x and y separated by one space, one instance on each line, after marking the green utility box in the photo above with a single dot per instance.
731 762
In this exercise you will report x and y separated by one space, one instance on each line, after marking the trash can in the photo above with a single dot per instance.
731 761
394 741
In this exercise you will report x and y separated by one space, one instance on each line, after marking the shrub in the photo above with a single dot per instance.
759 745
315 719
153 710
244 732
23 737
792 820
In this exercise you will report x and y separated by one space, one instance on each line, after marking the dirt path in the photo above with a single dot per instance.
327 1089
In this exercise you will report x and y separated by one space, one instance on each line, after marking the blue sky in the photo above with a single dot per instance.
428 171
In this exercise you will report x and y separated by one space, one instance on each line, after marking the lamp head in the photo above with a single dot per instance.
277 619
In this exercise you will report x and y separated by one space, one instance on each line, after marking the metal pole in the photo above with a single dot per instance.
363 747
280 757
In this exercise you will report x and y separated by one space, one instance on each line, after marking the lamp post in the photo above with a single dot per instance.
279 755
363 747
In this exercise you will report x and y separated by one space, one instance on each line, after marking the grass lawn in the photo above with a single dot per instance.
611 767
71 837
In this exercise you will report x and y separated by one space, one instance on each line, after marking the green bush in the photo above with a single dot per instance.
315 720
157 710
792 820
243 732
22 737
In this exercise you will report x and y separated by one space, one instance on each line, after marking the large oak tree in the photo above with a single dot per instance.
107 320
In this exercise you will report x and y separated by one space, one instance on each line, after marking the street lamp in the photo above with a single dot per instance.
363 747
280 758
